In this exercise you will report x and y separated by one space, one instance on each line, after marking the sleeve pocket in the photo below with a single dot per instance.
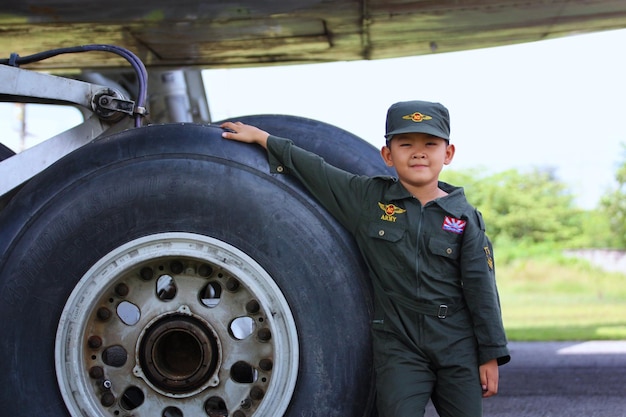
443 248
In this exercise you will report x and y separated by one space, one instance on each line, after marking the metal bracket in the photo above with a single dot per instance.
107 105
31 86
21 167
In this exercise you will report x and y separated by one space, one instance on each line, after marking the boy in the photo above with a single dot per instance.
437 329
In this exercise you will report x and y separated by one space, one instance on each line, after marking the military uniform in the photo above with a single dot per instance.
437 313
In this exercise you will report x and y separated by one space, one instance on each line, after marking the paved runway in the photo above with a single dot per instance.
561 379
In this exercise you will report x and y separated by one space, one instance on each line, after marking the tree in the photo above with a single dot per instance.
525 208
613 204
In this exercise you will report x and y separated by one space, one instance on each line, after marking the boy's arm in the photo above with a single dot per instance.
481 293
340 192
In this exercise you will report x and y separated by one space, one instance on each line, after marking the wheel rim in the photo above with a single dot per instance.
175 325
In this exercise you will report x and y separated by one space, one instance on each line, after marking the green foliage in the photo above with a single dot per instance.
528 208
613 205
597 232
535 211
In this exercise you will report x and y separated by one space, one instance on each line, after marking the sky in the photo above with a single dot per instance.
554 104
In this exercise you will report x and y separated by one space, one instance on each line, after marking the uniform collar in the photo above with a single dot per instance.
396 191
454 203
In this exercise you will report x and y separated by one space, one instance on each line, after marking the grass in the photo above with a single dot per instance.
560 299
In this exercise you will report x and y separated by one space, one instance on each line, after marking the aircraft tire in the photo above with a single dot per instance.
164 272
5 152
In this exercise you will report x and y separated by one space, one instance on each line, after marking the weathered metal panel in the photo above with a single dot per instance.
251 32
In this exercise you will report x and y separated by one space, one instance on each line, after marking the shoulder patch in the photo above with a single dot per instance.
489 256
451 224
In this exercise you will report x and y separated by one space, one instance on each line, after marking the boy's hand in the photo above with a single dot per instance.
245 133
489 378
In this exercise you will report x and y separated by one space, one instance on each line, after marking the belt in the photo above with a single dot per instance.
440 311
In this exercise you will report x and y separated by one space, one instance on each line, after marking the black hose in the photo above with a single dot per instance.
138 66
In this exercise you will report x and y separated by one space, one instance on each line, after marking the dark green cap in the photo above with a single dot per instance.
419 117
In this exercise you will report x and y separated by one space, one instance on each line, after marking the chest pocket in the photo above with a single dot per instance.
443 248
387 249
385 232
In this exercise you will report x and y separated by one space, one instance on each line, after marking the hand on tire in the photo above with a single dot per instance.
244 133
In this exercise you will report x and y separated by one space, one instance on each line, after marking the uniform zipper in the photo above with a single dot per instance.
417 245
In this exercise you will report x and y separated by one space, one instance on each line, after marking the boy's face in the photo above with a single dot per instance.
417 157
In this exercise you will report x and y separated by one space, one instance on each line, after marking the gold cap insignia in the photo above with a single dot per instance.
417 117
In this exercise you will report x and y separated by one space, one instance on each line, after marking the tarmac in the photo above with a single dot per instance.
560 379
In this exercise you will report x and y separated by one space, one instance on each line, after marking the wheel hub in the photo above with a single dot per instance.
176 324
178 353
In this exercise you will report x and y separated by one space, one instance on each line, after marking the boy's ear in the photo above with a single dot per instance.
450 150
385 152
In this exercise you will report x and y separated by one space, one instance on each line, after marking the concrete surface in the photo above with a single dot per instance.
560 379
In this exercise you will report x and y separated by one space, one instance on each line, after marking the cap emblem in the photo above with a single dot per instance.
417 117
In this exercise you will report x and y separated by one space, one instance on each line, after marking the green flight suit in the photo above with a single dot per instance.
437 312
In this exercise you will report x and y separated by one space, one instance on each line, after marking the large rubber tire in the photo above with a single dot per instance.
167 236
5 152
337 146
